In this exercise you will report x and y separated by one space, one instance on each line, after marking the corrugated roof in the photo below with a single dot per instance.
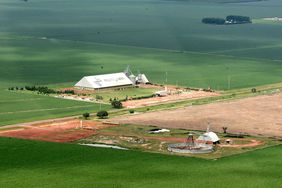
104 81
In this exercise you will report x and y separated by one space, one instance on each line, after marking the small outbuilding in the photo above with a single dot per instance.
209 137
142 79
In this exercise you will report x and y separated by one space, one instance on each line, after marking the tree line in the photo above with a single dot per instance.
231 19
42 90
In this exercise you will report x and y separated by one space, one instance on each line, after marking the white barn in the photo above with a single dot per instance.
104 81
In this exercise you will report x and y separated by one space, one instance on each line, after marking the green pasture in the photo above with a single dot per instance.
41 164
268 52
37 61
16 107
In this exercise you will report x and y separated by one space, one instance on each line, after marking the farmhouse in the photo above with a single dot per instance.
104 81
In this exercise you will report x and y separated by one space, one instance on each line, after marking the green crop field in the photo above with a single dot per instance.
22 107
68 61
164 24
47 42
39 164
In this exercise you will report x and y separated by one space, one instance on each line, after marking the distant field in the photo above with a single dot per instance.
146 23
38 164
37 61
263 52
19 107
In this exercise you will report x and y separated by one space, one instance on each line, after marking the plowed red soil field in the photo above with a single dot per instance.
60 131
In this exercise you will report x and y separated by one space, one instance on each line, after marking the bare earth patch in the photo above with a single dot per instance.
54 131
260 115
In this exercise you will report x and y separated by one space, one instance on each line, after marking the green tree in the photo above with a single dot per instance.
131 111
224 129
86 115
116 104
102 114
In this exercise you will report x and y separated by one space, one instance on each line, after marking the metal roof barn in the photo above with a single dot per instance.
104 81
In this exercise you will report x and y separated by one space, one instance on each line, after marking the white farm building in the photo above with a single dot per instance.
209 137
104 81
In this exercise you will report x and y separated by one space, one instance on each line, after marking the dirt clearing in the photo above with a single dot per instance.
260 115
55 131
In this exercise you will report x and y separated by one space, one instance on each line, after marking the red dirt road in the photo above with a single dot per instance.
57 131
260 115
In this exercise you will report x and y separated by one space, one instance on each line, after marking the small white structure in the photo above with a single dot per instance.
142 79
162 93
132 77
209 137
104 81
159 131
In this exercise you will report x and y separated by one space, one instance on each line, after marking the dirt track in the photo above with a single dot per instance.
257 115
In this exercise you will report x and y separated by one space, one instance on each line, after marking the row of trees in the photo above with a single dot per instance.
217 21
238 19
231 19
42 90
102 114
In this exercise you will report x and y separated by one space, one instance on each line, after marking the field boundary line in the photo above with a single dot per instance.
243 49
